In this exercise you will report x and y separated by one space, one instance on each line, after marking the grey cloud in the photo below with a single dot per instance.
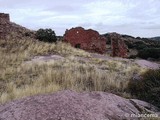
152 27
144 9
134 17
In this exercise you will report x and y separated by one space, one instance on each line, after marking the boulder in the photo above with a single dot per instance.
70 105
89 40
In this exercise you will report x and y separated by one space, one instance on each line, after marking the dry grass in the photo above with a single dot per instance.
19 79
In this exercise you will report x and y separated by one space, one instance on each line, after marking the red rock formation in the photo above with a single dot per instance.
119 48
70 105
88 40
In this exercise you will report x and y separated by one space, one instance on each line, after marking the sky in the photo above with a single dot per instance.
131 17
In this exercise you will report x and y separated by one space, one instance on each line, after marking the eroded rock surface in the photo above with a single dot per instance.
88 40
147 64
70 105
46 58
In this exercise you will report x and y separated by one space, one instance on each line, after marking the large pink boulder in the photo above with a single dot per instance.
70 105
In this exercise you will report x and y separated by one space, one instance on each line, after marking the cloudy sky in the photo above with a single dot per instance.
133 17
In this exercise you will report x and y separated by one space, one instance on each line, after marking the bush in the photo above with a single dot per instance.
136 45
129 44
147 88
149 53
46 35
140 45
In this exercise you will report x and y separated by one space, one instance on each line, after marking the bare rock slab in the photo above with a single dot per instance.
148 64
70 105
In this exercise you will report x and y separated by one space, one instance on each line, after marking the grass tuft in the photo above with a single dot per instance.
19 78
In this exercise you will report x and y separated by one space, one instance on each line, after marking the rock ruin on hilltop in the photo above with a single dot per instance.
4 18
118 46
4 25
10 30
89 40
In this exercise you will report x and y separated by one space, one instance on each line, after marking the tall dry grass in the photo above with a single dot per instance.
19 78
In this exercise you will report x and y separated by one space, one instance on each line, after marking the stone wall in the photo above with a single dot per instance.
4 25
4 18
89 40
118 46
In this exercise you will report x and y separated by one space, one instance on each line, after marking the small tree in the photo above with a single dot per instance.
46 35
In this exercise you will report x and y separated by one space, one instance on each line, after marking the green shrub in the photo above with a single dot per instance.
147 88
129 44
46 35
136 45
140 45
149 53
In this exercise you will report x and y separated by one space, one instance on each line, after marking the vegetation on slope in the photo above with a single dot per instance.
148 87
46 35
19 78
149 53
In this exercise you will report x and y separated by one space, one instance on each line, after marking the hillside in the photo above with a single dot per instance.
29 67
155 38
11 30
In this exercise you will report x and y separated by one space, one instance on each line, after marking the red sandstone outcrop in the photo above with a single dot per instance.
118 46
70 105
88 40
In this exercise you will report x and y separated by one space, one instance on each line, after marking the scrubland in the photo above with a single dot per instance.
20 78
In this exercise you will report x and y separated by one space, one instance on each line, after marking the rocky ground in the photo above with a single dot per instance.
142 63
70 105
